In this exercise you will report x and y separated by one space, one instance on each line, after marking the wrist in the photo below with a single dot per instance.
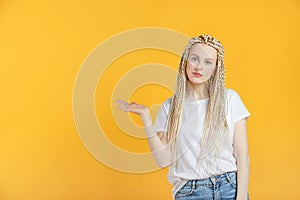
146 118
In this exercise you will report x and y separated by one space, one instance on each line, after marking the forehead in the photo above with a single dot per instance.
203 50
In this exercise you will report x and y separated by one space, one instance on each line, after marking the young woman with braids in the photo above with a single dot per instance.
200 132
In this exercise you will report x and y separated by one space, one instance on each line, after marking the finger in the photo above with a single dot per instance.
121 102
123 105
124 108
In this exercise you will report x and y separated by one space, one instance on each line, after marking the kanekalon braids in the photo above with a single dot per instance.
215 126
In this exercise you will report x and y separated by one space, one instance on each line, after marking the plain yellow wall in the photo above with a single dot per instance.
44 43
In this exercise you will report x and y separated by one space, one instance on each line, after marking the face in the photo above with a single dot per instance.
201 63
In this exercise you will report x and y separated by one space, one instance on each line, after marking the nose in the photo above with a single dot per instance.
199 66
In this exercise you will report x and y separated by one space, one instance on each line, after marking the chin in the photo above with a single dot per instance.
196 82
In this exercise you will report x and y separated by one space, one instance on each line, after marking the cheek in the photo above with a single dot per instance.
188 68
211 70
187 72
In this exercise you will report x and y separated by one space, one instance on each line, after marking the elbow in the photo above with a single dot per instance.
242 157
163 165
162 158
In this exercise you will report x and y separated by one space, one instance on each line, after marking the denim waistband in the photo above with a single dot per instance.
212 179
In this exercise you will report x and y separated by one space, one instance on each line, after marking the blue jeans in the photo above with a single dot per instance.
218 187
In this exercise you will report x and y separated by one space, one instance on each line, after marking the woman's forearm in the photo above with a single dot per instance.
242 177
159 150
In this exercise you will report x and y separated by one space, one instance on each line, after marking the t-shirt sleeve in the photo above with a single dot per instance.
161 120
239 110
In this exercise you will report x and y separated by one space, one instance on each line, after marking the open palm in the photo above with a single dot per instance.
132 107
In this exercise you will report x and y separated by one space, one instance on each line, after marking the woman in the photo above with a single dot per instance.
200 131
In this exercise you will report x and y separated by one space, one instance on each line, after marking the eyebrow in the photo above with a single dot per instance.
204 58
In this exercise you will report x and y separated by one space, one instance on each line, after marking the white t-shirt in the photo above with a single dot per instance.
189 136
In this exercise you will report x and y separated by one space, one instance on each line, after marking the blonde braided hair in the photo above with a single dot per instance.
215 125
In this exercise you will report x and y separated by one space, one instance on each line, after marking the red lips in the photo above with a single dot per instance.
197 74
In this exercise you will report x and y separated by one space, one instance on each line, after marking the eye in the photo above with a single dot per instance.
194 59
207 62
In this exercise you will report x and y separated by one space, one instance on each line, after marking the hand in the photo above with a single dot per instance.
132 107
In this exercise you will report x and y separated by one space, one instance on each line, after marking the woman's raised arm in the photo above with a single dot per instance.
157 143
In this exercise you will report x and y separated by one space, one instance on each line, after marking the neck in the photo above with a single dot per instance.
197 91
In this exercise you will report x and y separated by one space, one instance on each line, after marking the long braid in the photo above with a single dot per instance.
174 120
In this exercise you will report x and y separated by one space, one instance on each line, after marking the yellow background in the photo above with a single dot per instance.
43 44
